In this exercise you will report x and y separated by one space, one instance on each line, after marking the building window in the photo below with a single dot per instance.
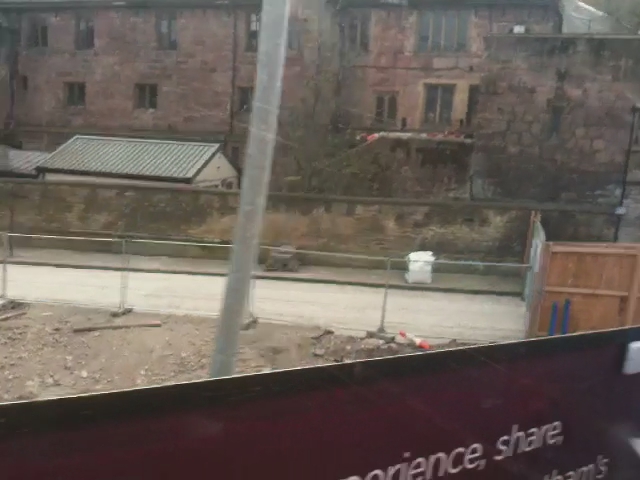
443 31
386 108
355 31
245 99
146 96
438 106
84 33
24 82
472 104
38 34
293 35
76 94
235 156
253 31
167 30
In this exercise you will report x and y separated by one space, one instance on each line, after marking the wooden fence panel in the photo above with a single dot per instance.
602 281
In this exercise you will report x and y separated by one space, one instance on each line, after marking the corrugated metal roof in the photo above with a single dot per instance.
26 161
127 157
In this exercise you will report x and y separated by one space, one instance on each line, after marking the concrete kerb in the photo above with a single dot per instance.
287 278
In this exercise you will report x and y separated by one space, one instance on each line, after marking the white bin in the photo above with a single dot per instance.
419 267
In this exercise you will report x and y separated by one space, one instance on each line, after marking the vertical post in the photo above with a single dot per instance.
554 319
632 298
383 315
6 238
124 278
274 22
635 110
566 311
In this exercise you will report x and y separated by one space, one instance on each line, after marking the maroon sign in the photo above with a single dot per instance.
549 409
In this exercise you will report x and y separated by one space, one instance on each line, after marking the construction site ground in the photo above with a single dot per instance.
50 350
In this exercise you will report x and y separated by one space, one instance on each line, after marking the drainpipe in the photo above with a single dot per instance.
620 211
234 61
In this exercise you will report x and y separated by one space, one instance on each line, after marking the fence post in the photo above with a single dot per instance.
124 278
6 238
383 314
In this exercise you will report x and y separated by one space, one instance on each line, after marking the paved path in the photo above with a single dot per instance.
435 315
460 282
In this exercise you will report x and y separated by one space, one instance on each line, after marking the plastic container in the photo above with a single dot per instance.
419 267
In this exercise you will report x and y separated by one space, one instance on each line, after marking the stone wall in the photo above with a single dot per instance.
371 226
198 83
394 64
554 117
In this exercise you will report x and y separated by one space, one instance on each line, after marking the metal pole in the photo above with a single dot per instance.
124 278
625 172
383 315
263 128
6 237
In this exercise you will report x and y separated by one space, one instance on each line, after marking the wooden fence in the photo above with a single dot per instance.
600 279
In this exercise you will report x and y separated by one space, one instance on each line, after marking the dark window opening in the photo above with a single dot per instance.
245 99
76 94
84 33
234 156
443 31
24 82
556 120
472 104
438 107
253 32
146 96
355 31
386 108
167 30
293 35
38 34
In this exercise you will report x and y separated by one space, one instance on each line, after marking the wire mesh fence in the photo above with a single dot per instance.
334 290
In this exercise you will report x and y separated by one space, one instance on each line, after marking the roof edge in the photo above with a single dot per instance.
123 176
138 4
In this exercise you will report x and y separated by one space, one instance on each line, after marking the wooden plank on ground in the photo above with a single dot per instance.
115 326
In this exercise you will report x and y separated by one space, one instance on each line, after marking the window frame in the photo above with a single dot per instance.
438 114
248 106
75 94
356 31
293 35
438 22
35 36
386 118
150 92
167 40
254 24
83 39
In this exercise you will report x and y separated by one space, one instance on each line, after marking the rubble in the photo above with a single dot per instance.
42 357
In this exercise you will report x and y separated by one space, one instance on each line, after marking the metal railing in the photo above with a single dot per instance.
184 277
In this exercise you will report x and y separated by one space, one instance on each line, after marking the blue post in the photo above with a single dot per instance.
566 310
554 319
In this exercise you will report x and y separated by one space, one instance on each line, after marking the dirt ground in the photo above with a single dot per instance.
43 353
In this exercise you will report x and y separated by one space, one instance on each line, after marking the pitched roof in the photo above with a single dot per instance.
23 163
30 4
130 158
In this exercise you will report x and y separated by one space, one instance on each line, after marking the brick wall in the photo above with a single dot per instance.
554 117
371 226
394 64
194 81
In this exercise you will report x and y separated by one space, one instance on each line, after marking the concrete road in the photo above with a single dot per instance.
436 316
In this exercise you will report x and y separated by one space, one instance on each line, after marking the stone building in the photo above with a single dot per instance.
184 70
546 115
543 116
